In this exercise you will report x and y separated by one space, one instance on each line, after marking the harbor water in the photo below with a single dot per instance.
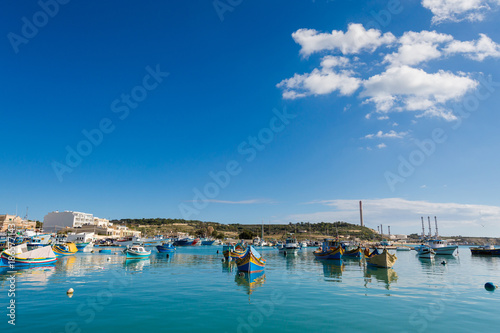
193 290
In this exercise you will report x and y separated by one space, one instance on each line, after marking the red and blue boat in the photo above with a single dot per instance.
251 262
20 256
165 248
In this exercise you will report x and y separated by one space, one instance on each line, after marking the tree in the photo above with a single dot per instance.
210 230
218 235
246 234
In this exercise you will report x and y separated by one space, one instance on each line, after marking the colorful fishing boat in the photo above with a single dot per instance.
165 248
65 249
487 250
354 253
369 254
137 252
251 262
383 260
226 249
19 255
330 250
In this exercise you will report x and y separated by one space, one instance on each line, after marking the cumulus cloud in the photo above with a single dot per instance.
404 215
476 50
321 81
241 202
410 89
356 39
389 135
459 10
381 145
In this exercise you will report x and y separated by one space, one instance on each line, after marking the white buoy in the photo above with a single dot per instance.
70 291
109 258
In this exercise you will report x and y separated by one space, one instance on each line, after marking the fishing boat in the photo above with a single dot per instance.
39 241
441 247
207 241
226 249
354 253
65 249
165 248
291 246
486 250
153 241
383 260
19 255
188 241
426 253
303 244
251 262
403 248
369 254
137 252
330 250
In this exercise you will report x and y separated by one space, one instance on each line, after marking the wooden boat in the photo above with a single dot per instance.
137 252
250 281
486 250
251 262
65 249
426 253
355 253
329 251
19 255
369 254
165 248
384 260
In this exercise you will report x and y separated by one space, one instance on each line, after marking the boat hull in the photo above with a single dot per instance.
249 263
131 255
383 260
446 250
356 253
19 261
68 250
165 249
485 252
332 254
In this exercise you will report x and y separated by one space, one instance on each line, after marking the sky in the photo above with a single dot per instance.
250 111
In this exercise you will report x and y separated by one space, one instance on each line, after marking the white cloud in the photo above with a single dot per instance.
404 215
417 47
458 10
410 89
321 81
389 135
477 49
381 145
356 39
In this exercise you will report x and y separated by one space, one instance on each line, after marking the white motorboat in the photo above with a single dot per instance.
441 247
291 246
426 253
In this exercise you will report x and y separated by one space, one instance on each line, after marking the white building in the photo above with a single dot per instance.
59 220
104 223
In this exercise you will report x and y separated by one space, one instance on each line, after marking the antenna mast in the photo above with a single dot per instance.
436 221
423 228
430 231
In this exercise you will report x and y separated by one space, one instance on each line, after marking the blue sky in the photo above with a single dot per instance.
302 108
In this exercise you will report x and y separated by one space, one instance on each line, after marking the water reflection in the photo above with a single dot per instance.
250 281
384 275
332 270
136 265
228 266
36 276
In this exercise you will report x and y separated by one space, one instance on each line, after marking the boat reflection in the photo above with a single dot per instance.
332 270
36 276
384 275
250 281
228 266
136 265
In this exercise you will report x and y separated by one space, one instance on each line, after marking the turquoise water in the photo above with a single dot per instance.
193 290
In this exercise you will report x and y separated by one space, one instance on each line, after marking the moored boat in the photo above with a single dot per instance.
165 248
403 248
486 250
291 246
426 253
354 253
186 241
137 252
329 251
65 249
441 247
384 260
251 261
19 255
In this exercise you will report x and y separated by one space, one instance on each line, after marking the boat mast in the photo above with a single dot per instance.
423 228
389 227
436 221
430 231
262 238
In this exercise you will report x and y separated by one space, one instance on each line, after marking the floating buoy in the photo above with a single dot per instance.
70 291
284 253
217 251
116 252
222 260
443 262
108 258
92 251
490 286
168 255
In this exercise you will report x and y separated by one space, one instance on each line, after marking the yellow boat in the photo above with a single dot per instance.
384 260
65 249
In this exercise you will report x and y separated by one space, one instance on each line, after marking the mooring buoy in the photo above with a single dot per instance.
490 286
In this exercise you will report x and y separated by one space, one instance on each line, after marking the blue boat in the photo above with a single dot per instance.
331 250
186 242
108 251
251 262
165 248
137 252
